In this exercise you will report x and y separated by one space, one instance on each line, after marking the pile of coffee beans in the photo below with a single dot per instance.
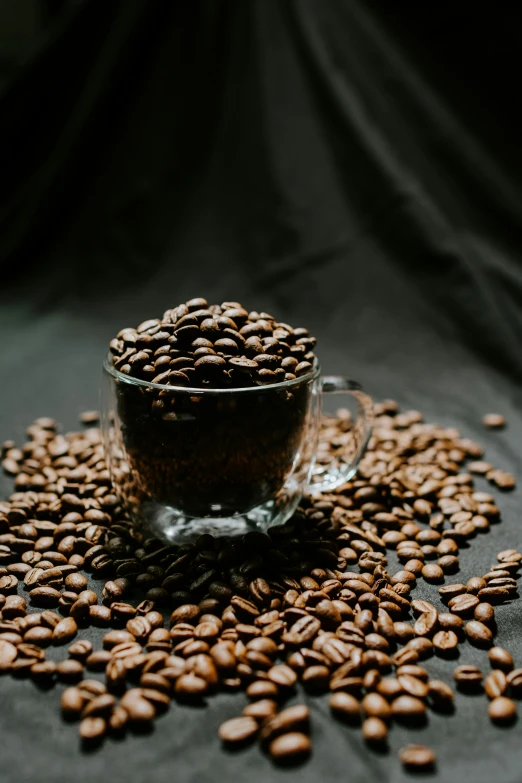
219 346
311 604
196 452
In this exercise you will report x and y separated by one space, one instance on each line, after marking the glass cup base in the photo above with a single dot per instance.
174 526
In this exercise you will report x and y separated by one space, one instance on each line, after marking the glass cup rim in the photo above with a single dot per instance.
110 369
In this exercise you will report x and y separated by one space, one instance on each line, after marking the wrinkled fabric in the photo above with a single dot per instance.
353 166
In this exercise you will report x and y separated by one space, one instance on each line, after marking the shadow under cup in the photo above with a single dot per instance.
180 454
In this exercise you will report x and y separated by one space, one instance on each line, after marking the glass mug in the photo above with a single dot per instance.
186 461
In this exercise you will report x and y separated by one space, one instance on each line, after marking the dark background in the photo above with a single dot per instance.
349 165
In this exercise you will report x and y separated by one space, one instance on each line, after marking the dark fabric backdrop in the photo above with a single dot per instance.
349 165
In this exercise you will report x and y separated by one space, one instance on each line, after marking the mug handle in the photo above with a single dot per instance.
326 478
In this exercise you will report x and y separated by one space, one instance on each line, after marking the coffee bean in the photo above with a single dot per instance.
191 686
345 706
375 705
444 641
261 709
495 684
69 671
98 660
408 708
8 653
500 659
80 649
43 672
45 596
502 710
448 592
494 421
290 748
39 635
463 605
484 613
478 633
468 676
433 573
412 685
101 705
113 638
375 731
92 729
514 681
296 718
417 757
65 631
75 582
495 594
450 622
282 675
238 731
261 689
139 710
427 620
440 695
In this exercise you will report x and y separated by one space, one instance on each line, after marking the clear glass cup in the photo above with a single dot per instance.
223 461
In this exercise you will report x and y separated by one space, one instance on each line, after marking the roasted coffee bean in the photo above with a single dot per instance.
427 620
463 605
494 595
484 613
39 635
514 681
290 748
417 757
282 675
43 672
345 706
238 731
296 718
450 622
92 729
8 653
408 708
80 649
375 731
69 671
495 684
101 705
494 421
444 641
448 592
261 689
98 660
502 710
113 638
72 703
139 710
433 573
500 659
65 631
478 633
440 695
191 686
468 676
373 704
45 596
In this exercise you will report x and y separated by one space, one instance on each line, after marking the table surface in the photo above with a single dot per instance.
52 367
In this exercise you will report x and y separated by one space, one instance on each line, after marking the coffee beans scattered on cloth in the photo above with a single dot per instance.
311 605
213 346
